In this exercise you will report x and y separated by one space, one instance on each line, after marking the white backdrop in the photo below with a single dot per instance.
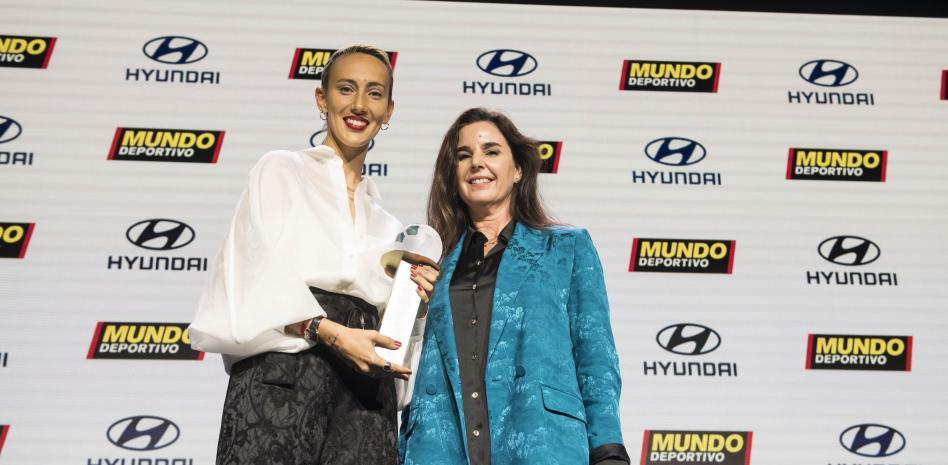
61 407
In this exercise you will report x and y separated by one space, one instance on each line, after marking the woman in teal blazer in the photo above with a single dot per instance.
549 389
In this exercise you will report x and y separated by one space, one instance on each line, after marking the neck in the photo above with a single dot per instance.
352 161
489 223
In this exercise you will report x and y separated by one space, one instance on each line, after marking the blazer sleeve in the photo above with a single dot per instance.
594 351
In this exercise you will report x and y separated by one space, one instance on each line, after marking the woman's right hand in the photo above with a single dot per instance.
357 348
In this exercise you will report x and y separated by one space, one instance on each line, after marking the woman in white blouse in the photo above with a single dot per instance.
292 302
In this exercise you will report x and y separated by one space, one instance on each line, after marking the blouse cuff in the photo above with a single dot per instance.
613 453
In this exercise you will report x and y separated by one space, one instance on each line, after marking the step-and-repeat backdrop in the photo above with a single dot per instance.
767 193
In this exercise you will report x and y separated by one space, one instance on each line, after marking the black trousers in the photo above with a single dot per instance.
310 407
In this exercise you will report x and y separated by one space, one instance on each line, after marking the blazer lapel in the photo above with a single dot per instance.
443 324
525 249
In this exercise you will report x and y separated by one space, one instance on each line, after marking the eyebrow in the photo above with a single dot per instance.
370 84
485 146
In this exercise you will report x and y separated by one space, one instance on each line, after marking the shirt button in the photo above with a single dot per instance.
474 357
474 287
475 395
478 262
476 433
473 321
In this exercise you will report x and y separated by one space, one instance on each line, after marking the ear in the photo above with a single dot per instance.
320 99
519 175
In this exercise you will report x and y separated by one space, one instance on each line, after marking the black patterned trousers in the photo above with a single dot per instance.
309 407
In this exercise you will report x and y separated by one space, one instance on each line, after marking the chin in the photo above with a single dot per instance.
476 202
359 143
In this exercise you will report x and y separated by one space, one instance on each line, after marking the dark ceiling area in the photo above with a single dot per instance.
931 9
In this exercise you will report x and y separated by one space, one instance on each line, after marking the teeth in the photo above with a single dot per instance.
480 181
355 122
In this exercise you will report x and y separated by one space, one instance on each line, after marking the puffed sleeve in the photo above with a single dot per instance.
594 352
254 290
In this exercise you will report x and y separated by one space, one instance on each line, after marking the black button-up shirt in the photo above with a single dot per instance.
472 297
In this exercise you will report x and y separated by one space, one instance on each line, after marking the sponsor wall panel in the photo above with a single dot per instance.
629 164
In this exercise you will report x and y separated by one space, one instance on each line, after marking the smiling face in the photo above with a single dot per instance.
486 171
356 102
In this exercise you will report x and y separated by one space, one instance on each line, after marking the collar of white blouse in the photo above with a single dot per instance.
325 154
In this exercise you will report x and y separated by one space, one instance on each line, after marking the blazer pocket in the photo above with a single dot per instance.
558 401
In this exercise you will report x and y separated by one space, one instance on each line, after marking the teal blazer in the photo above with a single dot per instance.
552 372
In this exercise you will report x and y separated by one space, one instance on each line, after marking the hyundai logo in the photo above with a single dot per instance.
688 339
849 250
872 440
507 63
828 73
675 151
143 432
314 140
9 129
175 50
160 234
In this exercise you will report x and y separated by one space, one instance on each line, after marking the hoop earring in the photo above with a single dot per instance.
323 115
385 126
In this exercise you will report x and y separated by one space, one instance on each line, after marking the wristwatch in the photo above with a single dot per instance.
312 332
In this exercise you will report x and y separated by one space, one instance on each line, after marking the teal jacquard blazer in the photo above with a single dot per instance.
552 372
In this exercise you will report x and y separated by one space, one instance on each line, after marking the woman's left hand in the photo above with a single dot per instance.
425 277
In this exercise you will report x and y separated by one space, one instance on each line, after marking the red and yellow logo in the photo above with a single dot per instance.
682 255
549 152
309 63
696 447
14 239
174 145
857 352
837 164
944 84
3 435
157 341
670 76
25 51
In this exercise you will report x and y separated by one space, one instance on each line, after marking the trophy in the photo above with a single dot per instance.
417 244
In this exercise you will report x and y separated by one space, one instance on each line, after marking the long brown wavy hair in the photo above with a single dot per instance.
447 212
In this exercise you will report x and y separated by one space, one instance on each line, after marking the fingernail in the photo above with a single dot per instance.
413 274
398 344
414 266
419 288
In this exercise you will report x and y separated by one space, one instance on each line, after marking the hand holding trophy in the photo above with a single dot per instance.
418 244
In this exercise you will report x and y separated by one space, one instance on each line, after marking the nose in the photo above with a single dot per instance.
358 104
477 161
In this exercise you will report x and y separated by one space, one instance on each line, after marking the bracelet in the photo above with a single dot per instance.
312 332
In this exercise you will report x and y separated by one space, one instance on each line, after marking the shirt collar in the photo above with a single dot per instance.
503 237
325 154
322 153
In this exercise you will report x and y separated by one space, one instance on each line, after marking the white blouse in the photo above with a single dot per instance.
292 229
